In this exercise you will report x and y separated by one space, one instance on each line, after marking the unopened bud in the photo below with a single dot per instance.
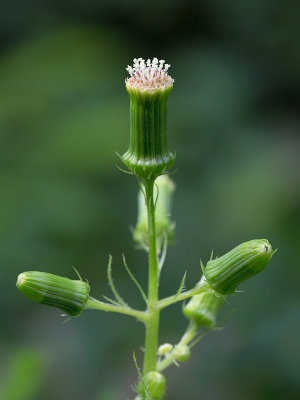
164 349
55 291
148 86
203 309
155 384
225 273
181 352
164 189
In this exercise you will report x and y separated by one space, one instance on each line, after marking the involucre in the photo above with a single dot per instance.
225 273
55 291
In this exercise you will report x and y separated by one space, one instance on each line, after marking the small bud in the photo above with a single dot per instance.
203 309
55 291
148 86
181 352
164 349
224 274
164 189
155 383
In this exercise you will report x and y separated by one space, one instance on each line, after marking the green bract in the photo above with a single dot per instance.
164 189
224 274
55 291
203 309
155 384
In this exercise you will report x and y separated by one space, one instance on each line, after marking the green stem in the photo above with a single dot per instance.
152 323
200 288
190 333
100 305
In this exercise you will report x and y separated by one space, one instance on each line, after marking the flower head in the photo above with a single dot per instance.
148 86
149 75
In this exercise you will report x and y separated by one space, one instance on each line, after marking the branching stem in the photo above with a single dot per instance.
100 305
200 288
188 336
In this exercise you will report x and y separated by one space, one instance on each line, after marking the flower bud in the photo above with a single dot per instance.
224 274
164 349
55 291
164 189
155 383
181 352
148 87
203 309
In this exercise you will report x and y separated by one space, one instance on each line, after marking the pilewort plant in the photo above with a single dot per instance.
149 159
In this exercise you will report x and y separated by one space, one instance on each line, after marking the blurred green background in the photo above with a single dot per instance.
234 122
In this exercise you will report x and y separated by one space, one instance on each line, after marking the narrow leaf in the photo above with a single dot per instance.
181 285
112 286
163 253
133 278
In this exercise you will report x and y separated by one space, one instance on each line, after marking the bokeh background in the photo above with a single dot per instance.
234 122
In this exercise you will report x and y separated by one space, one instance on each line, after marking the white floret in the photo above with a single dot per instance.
149 75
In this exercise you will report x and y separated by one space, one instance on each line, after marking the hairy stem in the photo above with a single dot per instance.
152 323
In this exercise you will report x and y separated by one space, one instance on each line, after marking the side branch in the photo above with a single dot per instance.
203 287
188 339
100 305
